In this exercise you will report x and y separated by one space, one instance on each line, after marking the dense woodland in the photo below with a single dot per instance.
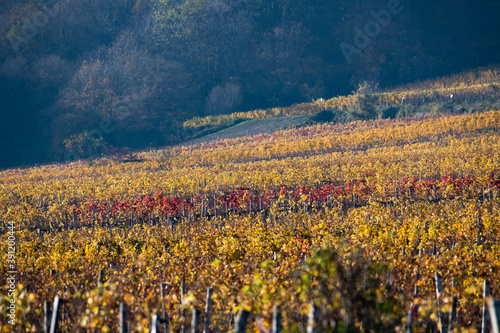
132 71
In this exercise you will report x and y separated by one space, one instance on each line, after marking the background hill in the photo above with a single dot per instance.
467 92
130 73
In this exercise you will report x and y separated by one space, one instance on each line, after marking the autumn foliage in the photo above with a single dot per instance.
344 216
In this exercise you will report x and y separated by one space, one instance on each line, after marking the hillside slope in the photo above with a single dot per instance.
466 92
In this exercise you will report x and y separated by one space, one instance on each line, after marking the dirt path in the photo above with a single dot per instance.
251 128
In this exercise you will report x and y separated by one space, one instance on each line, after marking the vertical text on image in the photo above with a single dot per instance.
11 273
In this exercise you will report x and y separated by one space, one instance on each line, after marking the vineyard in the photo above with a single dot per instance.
368 226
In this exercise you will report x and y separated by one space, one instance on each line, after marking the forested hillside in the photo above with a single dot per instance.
131 72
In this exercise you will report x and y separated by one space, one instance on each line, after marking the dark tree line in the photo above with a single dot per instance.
146 65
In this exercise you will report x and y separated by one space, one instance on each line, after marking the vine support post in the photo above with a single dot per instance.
100 279
123 318
54 323
276 328
312 318
485 327
454 305
207 310
47 316
453 313
166 325
439 290
183 290
183 314
195 324
415 292
240 325
155 324
494 308
409 320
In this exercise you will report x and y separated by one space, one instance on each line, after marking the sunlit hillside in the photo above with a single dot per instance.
470 91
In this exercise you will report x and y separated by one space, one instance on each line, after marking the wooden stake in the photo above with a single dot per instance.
439 286
485 327
155 325
439 290
312 318
47 316
409 319
415 292
123 318
276 328
166 325
195 324
183 290
207 310
494 307
453 313
240 325
183 314
101 277
55 316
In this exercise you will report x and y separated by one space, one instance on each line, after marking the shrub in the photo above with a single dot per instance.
388 113
325 116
